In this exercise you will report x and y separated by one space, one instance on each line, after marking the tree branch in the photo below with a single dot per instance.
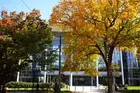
101 53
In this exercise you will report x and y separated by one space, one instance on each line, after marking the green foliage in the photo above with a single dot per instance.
129 91
47 58
30 85
19 85
97 27
45 85
102 69
133 87
63 85
27 85
44 91
21 35
126 85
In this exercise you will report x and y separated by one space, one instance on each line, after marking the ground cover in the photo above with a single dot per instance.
133 87
130 89
63 90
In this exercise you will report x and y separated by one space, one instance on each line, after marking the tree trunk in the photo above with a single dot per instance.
110 79
3 90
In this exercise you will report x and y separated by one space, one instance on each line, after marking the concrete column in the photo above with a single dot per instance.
122 67
18 76
70 79
45 73
18 71
91 83
39 79
97 77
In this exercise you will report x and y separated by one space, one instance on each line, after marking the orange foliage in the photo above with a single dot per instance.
97 27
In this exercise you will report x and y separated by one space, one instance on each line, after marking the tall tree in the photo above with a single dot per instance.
21 35
96 27
46 58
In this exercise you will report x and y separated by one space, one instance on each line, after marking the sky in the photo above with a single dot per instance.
45 6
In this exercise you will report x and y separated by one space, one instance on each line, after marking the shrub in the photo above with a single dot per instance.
19 85
125 87
30 85
63 85
27 85
45 85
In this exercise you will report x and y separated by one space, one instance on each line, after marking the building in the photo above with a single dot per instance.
131 69
125 76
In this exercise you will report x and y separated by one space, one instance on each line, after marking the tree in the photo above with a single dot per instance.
46 59
97 27
21 35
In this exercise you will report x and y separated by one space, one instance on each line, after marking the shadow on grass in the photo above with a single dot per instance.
29 90
129 91
16 91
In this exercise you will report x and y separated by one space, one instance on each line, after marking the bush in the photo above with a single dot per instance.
30 85
125 86
19 85
63 85
45 85
27 85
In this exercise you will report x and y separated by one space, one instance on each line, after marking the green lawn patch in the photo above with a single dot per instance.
133 87
44 91
129 91
62 89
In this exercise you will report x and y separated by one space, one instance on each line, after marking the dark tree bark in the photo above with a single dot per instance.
108 62
3 90
110 79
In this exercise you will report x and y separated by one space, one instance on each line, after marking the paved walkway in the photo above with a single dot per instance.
90 92
88 89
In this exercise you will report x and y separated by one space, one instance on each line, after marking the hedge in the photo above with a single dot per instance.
27 85
30 85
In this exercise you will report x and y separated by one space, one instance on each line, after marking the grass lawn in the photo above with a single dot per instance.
131 89
63 90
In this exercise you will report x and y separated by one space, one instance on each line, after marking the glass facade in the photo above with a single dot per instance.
129 61
55 45
131 69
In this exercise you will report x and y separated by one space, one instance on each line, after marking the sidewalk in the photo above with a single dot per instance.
87 89
91 92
